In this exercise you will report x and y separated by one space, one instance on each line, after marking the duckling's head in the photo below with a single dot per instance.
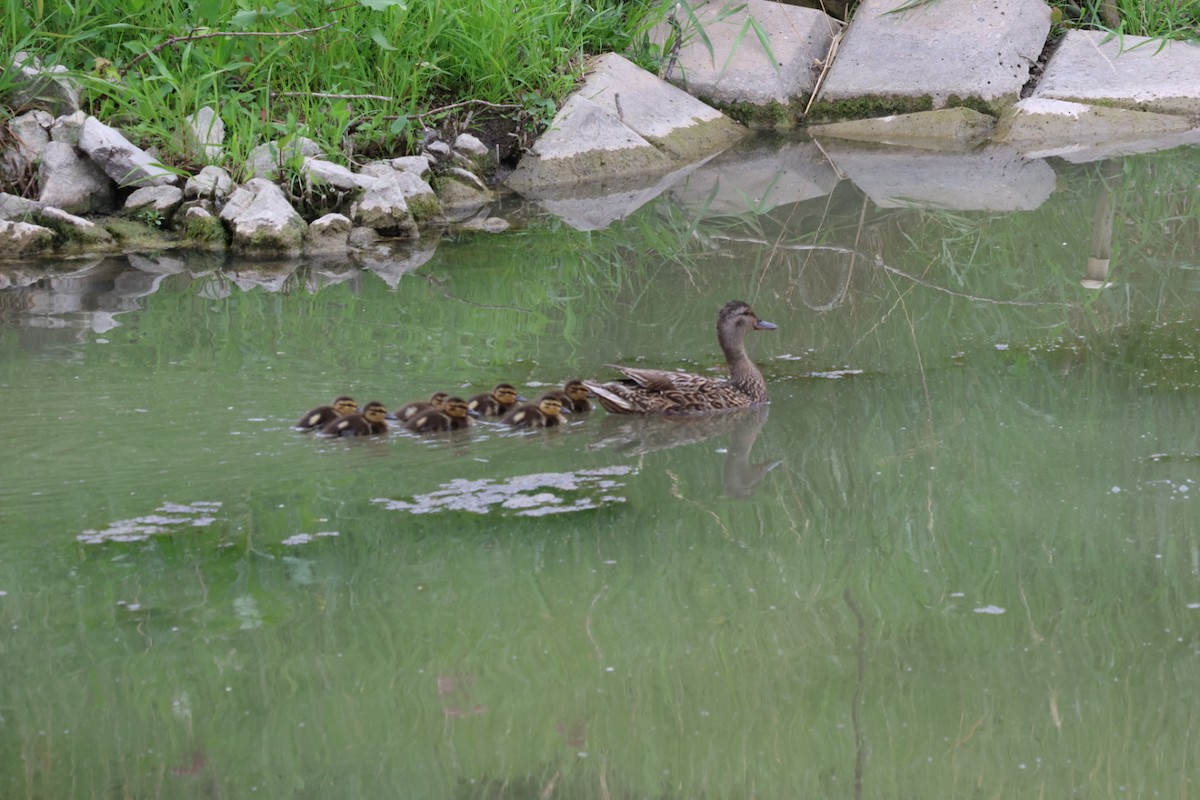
345 405
505 394
438 399
455 407
575 390
550 405
375 411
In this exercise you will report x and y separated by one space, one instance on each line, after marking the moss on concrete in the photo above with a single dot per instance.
866 107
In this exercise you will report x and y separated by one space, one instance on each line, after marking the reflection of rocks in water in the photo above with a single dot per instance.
637 436
522 496
391 260
88 297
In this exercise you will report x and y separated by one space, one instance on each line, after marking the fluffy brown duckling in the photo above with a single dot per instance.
434 403
497 402
545 413
577 397
323 415
370 421
453 416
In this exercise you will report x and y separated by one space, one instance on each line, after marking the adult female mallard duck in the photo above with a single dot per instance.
545 413
497 402
368 422
434 403
453 416
652 391
323 415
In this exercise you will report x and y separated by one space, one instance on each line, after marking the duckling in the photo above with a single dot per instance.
434 403
545 413
497 402
322 415
577 397
370 421
452 417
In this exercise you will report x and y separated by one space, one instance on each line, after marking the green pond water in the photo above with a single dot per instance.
973 570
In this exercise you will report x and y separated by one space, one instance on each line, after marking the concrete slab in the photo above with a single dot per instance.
947 128
757 177
1127 71
952 52
733 71
623 125
1040 128
993 179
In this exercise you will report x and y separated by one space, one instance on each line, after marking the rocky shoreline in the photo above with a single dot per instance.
964 74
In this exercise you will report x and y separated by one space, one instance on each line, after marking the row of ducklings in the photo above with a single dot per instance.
445 412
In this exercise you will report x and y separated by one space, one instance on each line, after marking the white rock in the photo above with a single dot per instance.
120 159
262 219
204 134
210 182
19 239
73 183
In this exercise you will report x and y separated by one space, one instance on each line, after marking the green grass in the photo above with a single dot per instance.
362 78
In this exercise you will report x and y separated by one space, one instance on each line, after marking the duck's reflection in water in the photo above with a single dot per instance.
636 436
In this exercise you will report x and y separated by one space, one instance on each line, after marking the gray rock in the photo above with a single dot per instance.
17 209
384 208
67 127
933 56
121 160
210 182
75 230
474 154
202 229
471 145
731 68
73 183
204 134
440 151
486 225
22 239
462 195
418 165
1133 72
262 220
363 238
995 178
622 123
329 234
266 160
319 172
27 138
35 86
160 200
947 128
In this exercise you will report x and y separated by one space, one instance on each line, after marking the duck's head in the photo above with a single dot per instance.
736 315
550 405
506 394
438 399
455 407
575 390
345 405
375 411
